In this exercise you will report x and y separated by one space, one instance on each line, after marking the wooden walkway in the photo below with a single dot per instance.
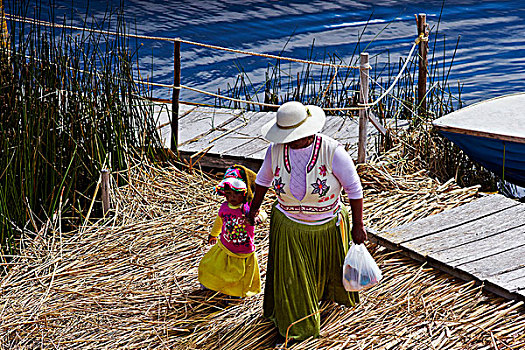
227 136
483 240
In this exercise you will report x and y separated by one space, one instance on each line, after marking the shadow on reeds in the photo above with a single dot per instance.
69 107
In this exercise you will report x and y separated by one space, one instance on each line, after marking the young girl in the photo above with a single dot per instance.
230 266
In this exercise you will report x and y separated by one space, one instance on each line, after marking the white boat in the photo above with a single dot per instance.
492 133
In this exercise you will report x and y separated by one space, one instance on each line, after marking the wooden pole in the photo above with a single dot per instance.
363 113
105 191
175 98
423 63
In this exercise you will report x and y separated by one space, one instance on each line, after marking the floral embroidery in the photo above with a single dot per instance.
320 187
277 171
278 186
322 170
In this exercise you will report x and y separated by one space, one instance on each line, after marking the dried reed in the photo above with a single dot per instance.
130 280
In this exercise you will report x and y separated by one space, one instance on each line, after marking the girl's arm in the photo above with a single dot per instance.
215 230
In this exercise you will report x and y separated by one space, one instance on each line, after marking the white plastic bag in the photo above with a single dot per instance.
360 271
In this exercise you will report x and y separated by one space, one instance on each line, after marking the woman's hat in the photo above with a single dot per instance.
293 122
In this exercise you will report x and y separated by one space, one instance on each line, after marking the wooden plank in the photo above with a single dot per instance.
251 146
512 281
446 220
259 155
469 276
349 129
217 162
485 234
255 121
332 124
494 264
485 247
218 137
202 123
488 249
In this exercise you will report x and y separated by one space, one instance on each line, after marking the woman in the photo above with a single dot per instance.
309 224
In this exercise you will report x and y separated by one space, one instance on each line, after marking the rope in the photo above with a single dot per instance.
201 91
361 106
369 105
229 98
243 52
238 100
267 55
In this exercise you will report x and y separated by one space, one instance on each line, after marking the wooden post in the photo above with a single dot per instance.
175 98
363 113
423 63
105 191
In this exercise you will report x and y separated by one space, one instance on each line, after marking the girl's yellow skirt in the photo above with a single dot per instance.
229 273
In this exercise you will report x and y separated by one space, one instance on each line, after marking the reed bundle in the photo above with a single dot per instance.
130 280
397 192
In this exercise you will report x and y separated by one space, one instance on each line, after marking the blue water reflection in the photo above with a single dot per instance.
490 60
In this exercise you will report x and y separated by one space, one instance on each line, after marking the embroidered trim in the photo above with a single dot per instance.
315 153
311 209
287 159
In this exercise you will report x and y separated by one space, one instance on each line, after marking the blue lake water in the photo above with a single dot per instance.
490 59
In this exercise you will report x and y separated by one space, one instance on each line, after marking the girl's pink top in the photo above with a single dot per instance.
342 166
236 236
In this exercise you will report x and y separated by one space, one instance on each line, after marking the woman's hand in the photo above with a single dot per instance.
359 233
249 218
358 227
212 240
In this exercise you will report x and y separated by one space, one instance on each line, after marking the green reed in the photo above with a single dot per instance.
69 107
331 88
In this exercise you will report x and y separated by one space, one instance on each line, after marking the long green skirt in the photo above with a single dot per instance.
305 267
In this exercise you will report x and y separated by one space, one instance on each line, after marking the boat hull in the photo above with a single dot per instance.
504 158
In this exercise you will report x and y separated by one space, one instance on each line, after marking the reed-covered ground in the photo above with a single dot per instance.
130 280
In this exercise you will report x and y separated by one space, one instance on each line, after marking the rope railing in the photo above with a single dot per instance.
158 38
262 104
387 91
360 106
363 106
171 86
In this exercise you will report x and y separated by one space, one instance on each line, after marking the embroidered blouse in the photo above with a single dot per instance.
343 169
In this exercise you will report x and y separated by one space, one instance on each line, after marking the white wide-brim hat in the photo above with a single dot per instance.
294 121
